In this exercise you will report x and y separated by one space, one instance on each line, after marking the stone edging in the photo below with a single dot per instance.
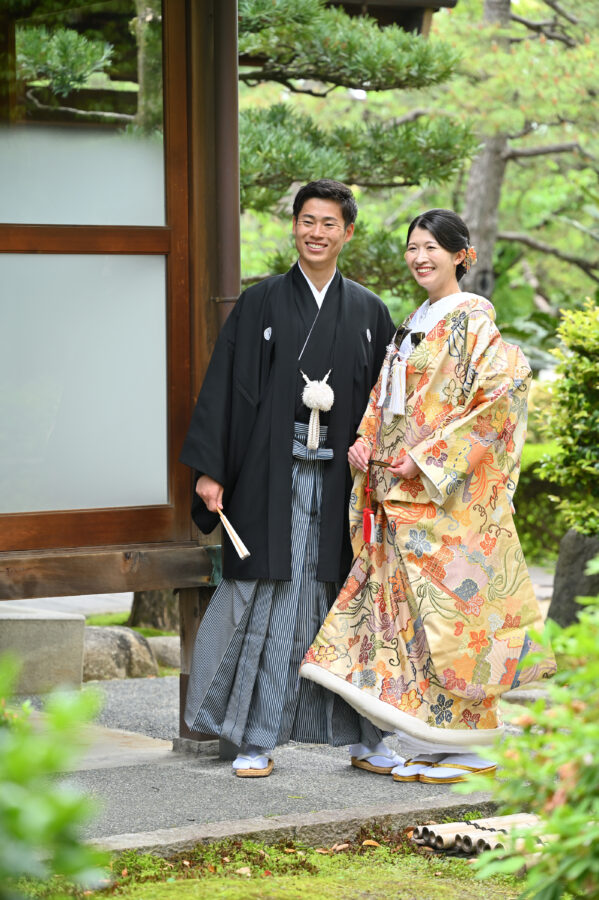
322 828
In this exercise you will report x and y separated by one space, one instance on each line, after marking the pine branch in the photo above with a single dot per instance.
556 7
334 49
531 127
413 115
545 28
590 268
85 113
534 26
545 150
254 279
594 235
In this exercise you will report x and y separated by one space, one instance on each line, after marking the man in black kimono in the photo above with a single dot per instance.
285 492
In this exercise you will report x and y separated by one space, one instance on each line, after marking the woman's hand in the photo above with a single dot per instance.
405 467
211 492
358 455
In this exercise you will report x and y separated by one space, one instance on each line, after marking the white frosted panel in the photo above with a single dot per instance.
80 176
83 418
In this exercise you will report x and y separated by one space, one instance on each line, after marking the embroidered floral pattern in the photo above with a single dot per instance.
418 542
365 650
325 654
413 487
478 640
410 701
442 709
470 719
451 681
509 675
437 457
487 545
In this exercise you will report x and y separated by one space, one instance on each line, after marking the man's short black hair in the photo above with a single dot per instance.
327 189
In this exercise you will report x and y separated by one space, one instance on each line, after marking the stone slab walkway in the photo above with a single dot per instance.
155 799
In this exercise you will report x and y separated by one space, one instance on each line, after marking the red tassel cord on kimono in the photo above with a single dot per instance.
368 513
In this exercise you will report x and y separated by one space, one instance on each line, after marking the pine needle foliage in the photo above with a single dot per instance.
280 145
308 41
312 50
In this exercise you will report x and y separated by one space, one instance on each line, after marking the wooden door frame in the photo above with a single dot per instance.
86 551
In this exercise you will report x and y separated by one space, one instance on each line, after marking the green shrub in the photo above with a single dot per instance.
39 817
540 522
551 770
573 420
539 406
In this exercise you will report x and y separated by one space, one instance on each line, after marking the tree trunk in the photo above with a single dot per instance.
483 192
481 212
496 12
575 551
147 26
155 609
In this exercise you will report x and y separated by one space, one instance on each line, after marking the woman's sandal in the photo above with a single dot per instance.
458 767
411 769
448 770
364 760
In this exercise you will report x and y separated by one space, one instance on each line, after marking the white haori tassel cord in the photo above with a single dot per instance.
397 368
317 395
397 405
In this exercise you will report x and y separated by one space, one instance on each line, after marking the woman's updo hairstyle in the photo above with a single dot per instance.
448 229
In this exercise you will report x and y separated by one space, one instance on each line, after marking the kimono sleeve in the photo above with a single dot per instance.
488 429
384 334
368 427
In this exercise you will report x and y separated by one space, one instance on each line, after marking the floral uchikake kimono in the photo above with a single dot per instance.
436 613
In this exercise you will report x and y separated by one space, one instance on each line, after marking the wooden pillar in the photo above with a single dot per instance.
214 229
226 111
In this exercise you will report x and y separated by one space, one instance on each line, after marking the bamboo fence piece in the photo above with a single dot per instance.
421 832
473 837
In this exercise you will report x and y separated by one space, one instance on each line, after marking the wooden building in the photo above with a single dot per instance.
119 254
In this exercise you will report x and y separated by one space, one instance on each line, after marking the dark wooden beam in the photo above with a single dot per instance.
30 573
84 239
411 15
399 6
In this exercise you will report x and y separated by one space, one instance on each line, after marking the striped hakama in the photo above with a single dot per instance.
244 684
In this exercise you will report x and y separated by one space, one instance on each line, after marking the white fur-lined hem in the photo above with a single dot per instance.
389 718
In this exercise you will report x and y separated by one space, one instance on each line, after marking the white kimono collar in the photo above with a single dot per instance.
427 316
424 319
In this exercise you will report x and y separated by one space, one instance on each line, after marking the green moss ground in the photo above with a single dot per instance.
392 869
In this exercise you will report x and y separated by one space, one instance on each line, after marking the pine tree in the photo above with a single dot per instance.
527 87
311 49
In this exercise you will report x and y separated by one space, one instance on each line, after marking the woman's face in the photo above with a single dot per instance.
431 265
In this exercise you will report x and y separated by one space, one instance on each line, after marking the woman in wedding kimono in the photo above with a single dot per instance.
438 609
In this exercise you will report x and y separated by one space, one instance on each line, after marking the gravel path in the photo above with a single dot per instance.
147 706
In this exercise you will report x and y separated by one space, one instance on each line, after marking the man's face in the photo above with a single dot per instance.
320 233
